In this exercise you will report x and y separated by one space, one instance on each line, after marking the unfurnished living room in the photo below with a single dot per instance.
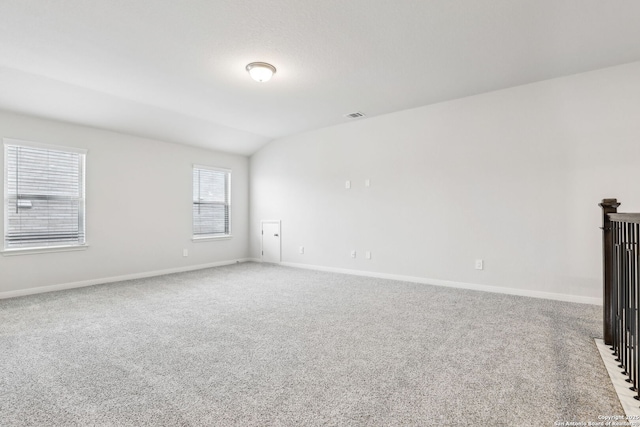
319 213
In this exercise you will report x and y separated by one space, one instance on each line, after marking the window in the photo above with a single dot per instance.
44 196
211 202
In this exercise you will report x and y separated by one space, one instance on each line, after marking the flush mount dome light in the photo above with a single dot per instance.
261 71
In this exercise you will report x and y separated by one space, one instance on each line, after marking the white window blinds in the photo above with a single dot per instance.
211 202
44 196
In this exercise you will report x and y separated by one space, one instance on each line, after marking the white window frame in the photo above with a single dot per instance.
42 249
206 238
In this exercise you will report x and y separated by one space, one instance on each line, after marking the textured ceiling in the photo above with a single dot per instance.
174 70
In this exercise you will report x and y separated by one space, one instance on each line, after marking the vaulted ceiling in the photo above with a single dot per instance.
175 70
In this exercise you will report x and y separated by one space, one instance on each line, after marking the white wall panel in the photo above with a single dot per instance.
512 177
138 210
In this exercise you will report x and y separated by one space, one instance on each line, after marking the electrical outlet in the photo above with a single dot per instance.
479 264
367 255
185 252
347 184
302 249
353 254
367 183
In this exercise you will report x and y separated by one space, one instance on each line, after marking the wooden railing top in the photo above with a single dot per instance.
625 217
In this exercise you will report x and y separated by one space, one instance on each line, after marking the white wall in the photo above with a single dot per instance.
138 208
513 177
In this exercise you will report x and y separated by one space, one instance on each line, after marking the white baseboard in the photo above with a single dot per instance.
618 380
91 282
413 279
451 284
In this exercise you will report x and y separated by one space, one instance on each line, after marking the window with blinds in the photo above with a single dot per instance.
211 202
44 196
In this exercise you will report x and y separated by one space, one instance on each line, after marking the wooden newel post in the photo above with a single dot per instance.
608 319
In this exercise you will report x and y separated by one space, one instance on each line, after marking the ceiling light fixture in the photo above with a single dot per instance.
261 71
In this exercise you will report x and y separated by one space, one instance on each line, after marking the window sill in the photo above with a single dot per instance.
210 238
30 251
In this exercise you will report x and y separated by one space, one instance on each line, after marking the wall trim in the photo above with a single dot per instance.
413 279
451 284
104 280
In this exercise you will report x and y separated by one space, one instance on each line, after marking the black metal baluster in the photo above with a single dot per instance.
636 291
620 286
631 309
625 298
621 289
616 289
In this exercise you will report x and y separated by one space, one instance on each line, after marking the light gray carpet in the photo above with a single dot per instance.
264 345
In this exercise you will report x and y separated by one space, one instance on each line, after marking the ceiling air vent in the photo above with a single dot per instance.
355 115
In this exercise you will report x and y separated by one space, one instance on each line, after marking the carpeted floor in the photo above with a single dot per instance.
264 345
